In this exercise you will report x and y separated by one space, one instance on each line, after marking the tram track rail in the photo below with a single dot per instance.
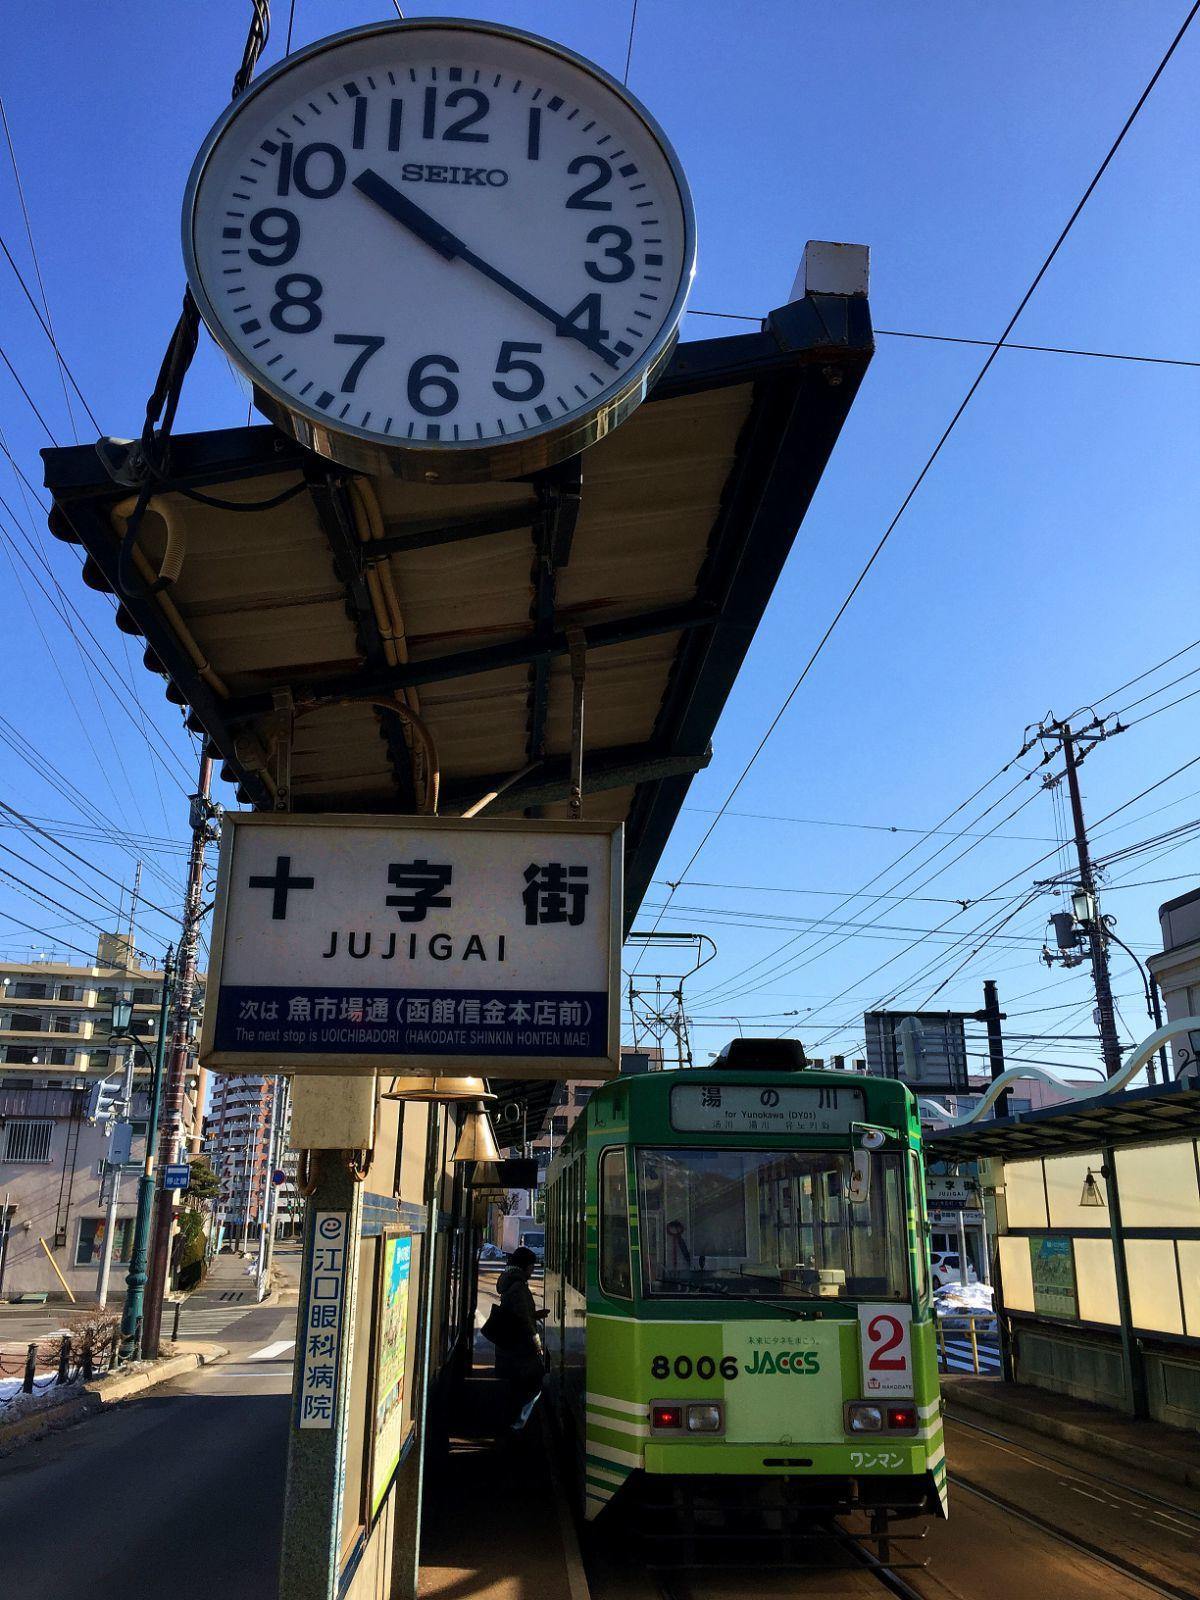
1095 1552
1073 1469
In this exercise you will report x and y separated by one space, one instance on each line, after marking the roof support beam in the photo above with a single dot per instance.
467 663
559 492
333 510
617 768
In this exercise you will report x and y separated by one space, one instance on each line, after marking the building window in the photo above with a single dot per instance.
581 1096
30 991
89 1246
70 991
62 1058
66 1023
145 997
24 1054
27 1022
558 1127
28 1139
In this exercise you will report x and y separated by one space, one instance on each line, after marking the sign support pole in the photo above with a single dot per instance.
312 1514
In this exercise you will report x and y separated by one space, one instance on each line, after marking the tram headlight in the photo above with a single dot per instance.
704 1419
862 1418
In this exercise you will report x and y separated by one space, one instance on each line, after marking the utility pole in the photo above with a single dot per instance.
1110 1046
170 1133
1085 917
118 1143
131 1321
992 1017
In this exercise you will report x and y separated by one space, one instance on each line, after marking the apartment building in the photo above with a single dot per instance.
55 1022
239 1144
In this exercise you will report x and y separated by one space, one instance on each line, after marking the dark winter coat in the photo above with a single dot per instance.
512 1291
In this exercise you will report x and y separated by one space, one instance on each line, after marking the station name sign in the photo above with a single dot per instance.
354 944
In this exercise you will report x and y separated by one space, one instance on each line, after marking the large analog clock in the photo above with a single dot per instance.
440 248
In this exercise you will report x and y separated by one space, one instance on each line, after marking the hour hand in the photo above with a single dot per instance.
388 198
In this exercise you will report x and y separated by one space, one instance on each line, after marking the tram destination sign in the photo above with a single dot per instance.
356 944
764 1108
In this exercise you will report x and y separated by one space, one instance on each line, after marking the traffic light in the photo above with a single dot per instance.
104 1100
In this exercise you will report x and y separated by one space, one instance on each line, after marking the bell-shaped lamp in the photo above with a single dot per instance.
1092 1194
476 1141
438 1087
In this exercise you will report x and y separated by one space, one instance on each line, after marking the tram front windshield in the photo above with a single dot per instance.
771 1224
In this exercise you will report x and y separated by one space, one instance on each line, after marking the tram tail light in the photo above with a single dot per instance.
666 1416
902 1419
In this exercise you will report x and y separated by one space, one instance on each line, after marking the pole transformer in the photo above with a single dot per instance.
171 1128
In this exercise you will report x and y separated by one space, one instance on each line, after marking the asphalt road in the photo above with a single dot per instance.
177 1496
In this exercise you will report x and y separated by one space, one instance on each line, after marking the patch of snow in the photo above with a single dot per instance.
957 1300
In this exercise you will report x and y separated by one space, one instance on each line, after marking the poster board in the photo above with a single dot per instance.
391 1409
1053 1265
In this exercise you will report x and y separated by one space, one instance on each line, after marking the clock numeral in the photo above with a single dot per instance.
421 381
296 168
395 123
285 243
617 253
297 291
509 361
533 147
358 138
371 343
579 200
585 318
457 130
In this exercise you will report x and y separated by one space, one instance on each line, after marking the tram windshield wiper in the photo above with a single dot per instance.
754 1300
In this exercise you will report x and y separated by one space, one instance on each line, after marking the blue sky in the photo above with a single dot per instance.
1049 556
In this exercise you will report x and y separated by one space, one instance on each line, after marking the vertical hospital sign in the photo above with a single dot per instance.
359 944
321 1330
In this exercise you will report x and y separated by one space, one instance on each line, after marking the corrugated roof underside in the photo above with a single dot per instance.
266 607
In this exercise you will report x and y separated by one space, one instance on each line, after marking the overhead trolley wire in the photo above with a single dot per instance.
949 429
1009 344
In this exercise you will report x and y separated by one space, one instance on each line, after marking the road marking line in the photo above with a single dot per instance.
271 1352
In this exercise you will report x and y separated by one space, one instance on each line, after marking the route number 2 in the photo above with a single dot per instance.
884 1339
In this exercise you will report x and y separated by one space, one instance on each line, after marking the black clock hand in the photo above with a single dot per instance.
451 247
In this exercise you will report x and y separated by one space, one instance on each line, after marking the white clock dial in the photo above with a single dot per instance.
441 247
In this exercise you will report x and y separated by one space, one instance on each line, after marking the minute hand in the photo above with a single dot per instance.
448 245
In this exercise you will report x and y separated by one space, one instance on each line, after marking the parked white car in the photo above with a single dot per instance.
944 1269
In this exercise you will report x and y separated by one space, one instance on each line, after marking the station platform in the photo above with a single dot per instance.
1145 1448
497 1525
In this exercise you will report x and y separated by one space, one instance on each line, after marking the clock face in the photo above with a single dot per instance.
442 248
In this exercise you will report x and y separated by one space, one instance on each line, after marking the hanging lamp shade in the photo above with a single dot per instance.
438 1087
1092 1194
476 1141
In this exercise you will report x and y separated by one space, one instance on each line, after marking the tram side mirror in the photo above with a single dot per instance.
859 1187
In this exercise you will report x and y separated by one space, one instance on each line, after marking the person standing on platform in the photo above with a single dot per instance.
520 1363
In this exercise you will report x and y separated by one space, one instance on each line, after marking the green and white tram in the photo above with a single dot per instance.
738 1290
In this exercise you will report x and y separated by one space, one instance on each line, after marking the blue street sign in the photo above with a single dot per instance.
176 1176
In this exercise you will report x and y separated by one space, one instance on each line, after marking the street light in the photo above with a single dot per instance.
1083 905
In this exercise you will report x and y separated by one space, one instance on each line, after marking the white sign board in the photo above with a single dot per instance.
886 1346
951 1194
764 1108
318 1348
415 944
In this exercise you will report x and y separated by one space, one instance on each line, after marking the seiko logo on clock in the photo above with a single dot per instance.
440 247
481 177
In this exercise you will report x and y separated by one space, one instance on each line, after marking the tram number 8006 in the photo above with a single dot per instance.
702 1367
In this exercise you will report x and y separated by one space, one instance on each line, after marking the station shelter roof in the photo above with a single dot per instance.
1130 1116
317 624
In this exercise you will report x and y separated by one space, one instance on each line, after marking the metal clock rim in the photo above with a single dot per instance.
449 460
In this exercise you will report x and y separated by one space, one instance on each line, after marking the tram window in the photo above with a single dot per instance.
922 1241
771 1224
615 1275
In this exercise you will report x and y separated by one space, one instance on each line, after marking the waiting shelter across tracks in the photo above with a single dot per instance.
1094 1212
539 647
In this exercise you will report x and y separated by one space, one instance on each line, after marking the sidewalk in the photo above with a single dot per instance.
1152 1448
516 1540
